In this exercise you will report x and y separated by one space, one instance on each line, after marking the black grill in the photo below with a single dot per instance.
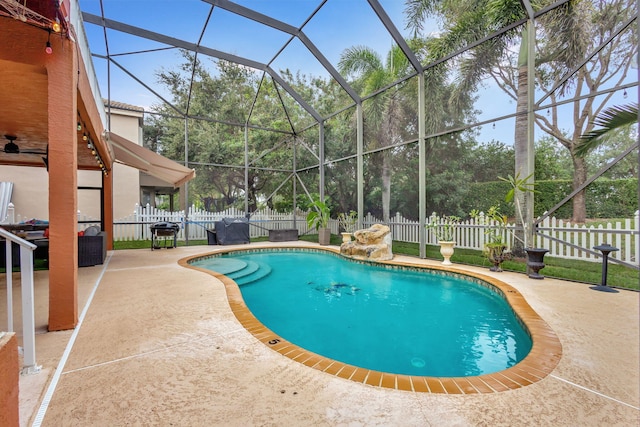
164 229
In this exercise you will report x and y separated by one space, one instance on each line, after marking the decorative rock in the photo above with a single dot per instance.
372 244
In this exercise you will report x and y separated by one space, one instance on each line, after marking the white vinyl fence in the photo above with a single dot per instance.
136 226
563 239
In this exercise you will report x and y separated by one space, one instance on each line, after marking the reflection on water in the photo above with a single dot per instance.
336 290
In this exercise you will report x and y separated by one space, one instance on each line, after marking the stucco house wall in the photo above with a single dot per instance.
126 122
30 195
30 185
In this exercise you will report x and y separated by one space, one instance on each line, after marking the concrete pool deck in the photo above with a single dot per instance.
159 345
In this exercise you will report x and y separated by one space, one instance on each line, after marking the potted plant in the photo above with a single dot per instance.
535 256
348 223
444 229
497 244
318 218
496 247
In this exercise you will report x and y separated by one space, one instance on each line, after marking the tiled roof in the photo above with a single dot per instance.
122 106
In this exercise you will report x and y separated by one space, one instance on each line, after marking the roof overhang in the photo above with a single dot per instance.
28 98
131 154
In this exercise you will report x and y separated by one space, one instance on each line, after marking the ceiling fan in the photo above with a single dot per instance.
12 148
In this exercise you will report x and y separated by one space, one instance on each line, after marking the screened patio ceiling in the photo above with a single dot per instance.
130 45
305 36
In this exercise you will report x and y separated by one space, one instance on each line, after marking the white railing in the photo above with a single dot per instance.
29 365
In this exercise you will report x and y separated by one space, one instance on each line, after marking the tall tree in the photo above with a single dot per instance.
220 101
384 112
565 36
327 97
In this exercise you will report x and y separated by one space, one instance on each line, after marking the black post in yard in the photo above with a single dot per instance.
606 249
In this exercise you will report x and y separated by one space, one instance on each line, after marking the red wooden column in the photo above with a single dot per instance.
63 185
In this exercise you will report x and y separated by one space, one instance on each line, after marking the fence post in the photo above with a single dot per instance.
636 246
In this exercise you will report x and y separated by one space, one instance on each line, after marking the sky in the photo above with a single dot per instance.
338 25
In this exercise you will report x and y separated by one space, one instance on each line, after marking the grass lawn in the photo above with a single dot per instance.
560 268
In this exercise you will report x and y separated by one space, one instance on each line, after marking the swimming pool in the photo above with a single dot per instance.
392 320
283 331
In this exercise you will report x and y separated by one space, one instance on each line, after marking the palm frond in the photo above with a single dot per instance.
609 120
376 80
503 12
359 60
397 63
416 12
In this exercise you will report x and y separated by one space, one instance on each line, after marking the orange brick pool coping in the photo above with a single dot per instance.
544 356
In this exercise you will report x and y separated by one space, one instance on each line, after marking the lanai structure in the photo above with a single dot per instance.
313 40
60 59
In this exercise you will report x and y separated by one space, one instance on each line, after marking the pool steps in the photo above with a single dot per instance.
263 271
249 273
224 266
242 272
249 268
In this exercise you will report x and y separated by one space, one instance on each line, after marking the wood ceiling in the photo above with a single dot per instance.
24 103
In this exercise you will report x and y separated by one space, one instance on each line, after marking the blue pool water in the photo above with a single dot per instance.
401 321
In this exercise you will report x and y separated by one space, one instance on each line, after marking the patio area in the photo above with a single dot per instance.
157 344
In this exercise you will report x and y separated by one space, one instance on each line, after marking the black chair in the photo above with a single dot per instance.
212 238
92 247
15 254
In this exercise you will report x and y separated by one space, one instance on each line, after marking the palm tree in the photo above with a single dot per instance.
384 111
610 119
465 24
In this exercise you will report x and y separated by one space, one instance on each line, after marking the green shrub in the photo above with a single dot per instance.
605 198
